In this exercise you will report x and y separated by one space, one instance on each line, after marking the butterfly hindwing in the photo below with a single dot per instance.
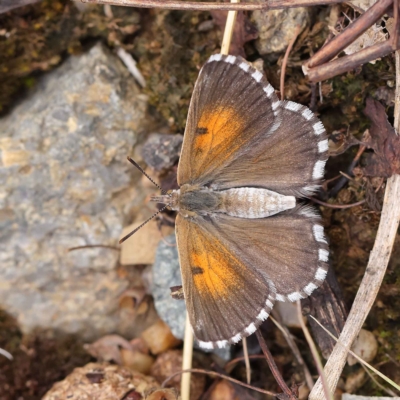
226 298
232 106
289 247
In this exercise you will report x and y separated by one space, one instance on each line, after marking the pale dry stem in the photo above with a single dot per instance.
374 273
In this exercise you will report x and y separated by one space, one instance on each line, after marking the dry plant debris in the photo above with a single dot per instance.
384 140
170 47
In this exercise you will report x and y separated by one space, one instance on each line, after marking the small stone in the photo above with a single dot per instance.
223 390
289 315
167 273
137 361
365 346
159 337
277 27
354 381
164 394
170 363
161 151
206 26
101 381
141 249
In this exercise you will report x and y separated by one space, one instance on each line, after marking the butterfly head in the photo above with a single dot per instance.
170 199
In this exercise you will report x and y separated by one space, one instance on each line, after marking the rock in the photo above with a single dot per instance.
223 390
142 248
355 380
161 151
289 315
167 273
169 363
362 4
102 381
137 361
67 183
159 337
277 27
365 346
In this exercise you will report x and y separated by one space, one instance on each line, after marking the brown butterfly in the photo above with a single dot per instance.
243 241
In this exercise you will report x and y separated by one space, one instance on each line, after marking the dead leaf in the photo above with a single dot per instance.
383 140
107 348
163 394
243 32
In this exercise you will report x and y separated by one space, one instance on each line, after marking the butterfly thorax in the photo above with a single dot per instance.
244 202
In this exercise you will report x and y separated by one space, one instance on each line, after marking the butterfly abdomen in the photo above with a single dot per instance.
248 202
245 202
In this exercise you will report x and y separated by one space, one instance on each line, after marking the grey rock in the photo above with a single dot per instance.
277 28
166 273
161 151
65 182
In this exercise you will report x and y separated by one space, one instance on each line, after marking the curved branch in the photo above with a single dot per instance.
374 272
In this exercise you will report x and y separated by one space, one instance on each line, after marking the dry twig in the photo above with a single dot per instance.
318 67
348 63
213 5
274 369
374 273
218 375
350 34
338 206
284 62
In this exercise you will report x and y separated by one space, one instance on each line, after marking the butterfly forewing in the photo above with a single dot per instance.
232 107
291 161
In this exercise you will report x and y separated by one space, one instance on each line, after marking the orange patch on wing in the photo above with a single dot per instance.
212 270
220 125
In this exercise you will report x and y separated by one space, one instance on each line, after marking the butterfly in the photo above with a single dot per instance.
243 240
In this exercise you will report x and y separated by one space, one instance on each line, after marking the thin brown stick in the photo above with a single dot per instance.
338 206
94 246
238 359
350 34
348 63
314 352
396 29
295 350
374 273
218 375
212 5
272 366
285 60
335 190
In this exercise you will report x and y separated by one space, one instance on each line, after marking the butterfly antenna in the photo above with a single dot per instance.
144 173
144 223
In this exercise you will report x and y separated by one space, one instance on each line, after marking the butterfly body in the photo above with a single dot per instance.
243 202
243 243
